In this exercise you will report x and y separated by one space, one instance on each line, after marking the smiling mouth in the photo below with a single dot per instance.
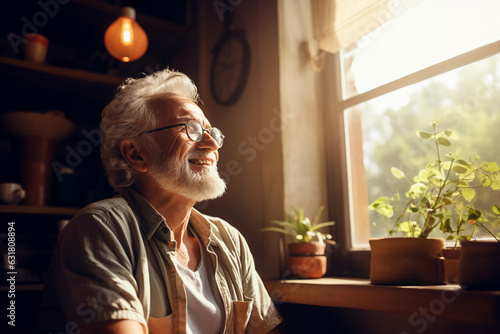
202 162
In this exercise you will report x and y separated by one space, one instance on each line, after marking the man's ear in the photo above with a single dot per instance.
134 154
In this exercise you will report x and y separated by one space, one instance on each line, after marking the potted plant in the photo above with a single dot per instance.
441 196
306 244
479 269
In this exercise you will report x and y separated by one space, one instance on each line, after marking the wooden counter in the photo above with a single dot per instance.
446 301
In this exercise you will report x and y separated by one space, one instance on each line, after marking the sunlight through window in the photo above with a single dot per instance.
454 46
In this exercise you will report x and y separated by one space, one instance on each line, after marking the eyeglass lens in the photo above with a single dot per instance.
195 131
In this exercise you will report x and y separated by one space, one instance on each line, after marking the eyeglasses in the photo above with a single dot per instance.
196 132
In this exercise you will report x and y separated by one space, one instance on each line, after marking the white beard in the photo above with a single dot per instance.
178 177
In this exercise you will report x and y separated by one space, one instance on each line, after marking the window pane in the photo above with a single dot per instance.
466 100
427 33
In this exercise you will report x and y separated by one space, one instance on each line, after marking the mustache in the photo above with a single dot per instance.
201 154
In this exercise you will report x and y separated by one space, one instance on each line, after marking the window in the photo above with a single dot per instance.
439 59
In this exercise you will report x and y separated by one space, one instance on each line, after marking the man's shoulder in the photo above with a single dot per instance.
111 211
219 223
223 231
111 218
113 205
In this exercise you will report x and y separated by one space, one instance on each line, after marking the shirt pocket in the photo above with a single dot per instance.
160 325
242 310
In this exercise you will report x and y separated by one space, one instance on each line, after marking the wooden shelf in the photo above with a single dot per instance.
27 67
70 84
39 210
454 302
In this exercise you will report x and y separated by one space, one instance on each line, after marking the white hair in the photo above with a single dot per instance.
130 114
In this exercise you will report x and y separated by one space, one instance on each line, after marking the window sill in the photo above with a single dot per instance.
446 301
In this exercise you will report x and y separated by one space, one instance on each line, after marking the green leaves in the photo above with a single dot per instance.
468 194
440 138
443 194
424 135
460 169
417 188
423 175
446 225
495 181
411 228
320 226
382 206
474 214
397 173
458 237
300 228
490 167
277 229
443 141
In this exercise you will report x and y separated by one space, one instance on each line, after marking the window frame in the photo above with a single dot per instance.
348 261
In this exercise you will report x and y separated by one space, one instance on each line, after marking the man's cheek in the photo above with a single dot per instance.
177 147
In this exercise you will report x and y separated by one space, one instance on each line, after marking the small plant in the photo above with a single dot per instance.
300 229
443 195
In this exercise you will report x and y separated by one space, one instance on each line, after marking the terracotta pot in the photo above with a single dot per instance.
307 266
479 265
306 248
306 259
407 261
451 264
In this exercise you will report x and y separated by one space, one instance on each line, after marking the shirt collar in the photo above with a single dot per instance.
203 227
150 219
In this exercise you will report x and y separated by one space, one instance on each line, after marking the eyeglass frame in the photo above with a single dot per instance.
186 128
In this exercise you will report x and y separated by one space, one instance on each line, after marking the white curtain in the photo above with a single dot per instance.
337 24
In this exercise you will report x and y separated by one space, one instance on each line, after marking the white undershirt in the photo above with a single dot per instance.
204 304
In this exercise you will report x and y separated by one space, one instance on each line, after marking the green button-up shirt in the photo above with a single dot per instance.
114 260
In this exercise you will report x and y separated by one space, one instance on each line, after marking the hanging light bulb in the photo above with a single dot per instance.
125 40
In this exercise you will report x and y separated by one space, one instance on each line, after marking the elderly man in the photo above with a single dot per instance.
146 261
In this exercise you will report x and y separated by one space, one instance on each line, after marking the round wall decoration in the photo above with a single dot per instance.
230 67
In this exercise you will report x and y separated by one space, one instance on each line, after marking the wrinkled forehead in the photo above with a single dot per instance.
172 108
